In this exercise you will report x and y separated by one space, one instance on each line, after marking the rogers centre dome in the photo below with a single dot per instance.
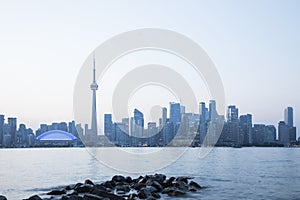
56 138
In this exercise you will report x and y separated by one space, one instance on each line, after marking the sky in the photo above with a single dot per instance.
254 45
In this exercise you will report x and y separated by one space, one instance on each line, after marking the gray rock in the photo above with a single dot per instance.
71 197
139 186
124 188
89 182
105 194
176 192
157 185
159 178
34 197
108 184
168 182
184 178
155 195
101 187
144 193
118 178
128 179
2 197
84 188
56 192
181 186
132 196
92 197
194 185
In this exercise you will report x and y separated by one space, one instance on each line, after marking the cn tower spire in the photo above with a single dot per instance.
94 71
94 87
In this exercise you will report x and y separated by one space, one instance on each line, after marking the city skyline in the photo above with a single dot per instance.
238 129
254 54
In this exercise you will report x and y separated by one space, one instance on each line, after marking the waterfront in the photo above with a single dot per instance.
246 173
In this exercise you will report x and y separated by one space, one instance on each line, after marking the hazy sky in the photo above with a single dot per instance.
255 46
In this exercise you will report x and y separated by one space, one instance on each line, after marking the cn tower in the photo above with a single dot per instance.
94 87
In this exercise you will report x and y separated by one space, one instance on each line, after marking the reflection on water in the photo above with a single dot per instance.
228 173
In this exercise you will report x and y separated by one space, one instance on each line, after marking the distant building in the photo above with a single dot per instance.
164 116
137 127
232 114
270 134
283 133
56 138
108 126
12 123
175 113
233 129
213 114
1 129
293 134
246 128
288 116
258 134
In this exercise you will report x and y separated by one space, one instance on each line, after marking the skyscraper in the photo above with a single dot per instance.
1 128
138 123
175 114
232 114
94 88
12 123
212 110
246 128
202 112
164 116
288 116
108 125
283 133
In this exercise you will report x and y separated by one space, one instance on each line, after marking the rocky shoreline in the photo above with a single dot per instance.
148 187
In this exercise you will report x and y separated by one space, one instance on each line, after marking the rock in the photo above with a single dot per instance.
157 185
91 197
149 187
144 193
194 185
143 180
132 196
136 180
124 188
176 192
71 197
68 187
108 184
168 182
2 197
72 192
184 178
159 178
84 188
56 192
34 197
139 186
105 194
182 186
89 182
128 179
118 178
155 195
101 187
75 186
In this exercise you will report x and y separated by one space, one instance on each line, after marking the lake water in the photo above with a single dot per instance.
228 173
